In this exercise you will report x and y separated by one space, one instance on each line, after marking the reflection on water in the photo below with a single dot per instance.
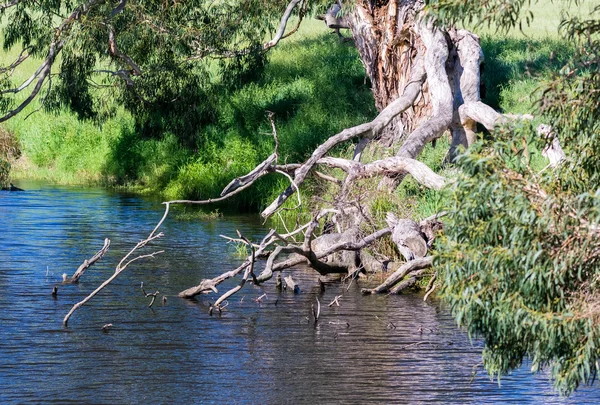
367 350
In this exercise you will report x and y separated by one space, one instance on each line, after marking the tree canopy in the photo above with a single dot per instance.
159 59
520 260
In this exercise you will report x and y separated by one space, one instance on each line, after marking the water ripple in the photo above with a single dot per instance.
368 350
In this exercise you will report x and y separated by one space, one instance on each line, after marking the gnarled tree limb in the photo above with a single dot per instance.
399 274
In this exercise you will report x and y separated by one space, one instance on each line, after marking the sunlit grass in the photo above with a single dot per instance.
314 84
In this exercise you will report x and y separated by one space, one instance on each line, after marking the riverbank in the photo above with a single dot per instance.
315 85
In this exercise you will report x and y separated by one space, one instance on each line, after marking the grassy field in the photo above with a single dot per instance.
313 83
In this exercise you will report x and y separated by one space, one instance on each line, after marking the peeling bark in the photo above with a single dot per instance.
407 236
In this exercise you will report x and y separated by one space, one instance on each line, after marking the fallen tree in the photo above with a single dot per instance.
426 82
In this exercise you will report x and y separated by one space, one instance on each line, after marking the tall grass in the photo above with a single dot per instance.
313 83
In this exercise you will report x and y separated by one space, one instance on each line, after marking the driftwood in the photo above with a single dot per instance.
410 282
249 272
291 284
335 301
316 311
208 285
147 295
123 264
87 263
399 274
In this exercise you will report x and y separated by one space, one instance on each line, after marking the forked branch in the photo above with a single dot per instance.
125 261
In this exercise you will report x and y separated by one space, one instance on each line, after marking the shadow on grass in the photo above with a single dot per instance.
511 62
315 87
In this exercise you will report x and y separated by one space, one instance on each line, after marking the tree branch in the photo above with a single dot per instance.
396 276
393 165
282 24
88 263
45 68
125 261
367 130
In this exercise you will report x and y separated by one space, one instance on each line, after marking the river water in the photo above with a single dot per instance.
394 349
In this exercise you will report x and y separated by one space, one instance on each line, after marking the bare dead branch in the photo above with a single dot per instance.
328 178
410 282
87 263
396 276
209 285
335 301
316 312
313 257
125 261
393 165
249 271
153 295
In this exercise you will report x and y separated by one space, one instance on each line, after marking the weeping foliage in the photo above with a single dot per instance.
159 59
520 260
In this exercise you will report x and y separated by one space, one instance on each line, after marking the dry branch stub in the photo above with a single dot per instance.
291 284
87 263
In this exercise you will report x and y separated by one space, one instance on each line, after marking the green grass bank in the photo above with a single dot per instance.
313 83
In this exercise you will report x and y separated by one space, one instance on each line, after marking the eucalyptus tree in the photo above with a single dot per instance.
520 257
159 59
